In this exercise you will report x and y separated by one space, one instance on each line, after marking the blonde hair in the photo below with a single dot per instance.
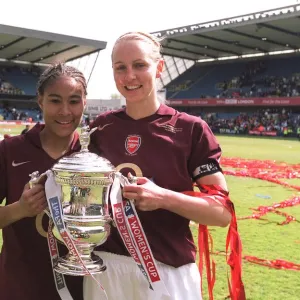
142 36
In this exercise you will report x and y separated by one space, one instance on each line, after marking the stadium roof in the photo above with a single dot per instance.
33 46
260 33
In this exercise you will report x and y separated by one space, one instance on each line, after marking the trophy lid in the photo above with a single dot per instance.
84 161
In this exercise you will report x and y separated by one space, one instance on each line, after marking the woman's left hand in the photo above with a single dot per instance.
147 195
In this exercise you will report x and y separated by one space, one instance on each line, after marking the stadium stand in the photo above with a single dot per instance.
24 54
257 78
238 73
241 74
17 80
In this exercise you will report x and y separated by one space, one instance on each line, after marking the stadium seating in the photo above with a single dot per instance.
21 114
258 78
18 81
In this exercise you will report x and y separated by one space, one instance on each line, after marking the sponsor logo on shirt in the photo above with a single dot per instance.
15 164
132 144
170 128
103 126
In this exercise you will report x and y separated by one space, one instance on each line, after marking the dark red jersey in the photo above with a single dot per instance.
171 148
25 265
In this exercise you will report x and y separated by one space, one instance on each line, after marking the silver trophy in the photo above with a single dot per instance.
85 179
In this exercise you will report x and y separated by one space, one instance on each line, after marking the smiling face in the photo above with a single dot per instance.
62 102
136 69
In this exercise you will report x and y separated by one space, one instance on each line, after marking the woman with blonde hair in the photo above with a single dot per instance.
169 152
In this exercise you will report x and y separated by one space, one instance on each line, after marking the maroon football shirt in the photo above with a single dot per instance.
170 148
25 265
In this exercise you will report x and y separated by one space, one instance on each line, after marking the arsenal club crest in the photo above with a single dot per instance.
132 143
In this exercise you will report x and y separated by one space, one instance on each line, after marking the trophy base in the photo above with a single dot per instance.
66 266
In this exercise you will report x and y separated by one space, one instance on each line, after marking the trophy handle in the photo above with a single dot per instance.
35 179
132 179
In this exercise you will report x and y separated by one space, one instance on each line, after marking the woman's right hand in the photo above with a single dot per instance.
33 200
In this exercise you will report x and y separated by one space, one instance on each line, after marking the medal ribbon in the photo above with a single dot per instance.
133 236
59 278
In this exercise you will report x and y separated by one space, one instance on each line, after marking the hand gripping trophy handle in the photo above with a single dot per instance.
35 178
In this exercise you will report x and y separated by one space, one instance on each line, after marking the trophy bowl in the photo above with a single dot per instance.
84 179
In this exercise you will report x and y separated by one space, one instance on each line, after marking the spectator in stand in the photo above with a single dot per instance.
87 120
271 120
25 130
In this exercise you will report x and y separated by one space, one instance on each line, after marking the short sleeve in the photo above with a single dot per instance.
205 153
3 175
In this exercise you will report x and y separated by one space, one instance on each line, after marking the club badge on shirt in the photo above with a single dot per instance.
132 144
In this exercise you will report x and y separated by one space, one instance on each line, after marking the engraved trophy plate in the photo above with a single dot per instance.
85 179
